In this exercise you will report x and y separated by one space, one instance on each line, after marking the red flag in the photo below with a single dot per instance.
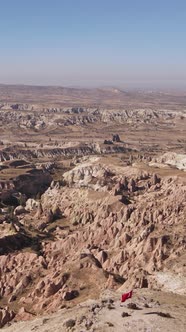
126 296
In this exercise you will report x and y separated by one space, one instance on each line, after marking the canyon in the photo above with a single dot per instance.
92 205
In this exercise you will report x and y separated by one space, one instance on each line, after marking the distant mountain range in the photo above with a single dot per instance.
110 97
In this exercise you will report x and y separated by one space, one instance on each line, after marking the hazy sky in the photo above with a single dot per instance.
93 42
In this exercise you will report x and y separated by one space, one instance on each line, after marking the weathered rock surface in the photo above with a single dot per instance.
113 226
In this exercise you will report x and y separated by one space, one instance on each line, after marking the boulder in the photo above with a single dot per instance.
70 295
31 204
19 210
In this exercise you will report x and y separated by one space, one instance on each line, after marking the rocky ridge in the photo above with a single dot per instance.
81 150
40 119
